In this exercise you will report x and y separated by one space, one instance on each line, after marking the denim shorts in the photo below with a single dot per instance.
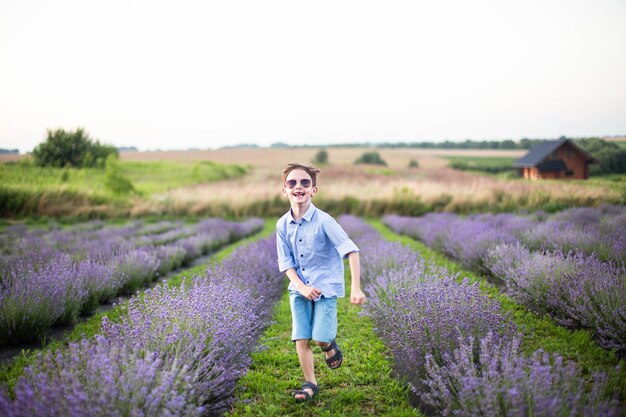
315 320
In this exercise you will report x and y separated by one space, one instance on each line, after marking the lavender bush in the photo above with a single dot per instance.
577 290
430 319
50 277
501 381
591 230
34 294
178 351
430 322
466 240
569 265
117 380
418 308
101 281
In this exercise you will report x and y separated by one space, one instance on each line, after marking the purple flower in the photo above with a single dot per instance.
500 380
176 351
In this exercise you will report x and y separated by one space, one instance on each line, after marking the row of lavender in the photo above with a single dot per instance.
569 266
456 348
177 351
51 277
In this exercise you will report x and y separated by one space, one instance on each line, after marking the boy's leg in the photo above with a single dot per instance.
305 355
301 320
325 325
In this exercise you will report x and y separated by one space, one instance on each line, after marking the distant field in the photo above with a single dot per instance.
182 182
621 141
278 157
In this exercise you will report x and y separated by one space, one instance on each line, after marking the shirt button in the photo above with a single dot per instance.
301 256
303 269
299 240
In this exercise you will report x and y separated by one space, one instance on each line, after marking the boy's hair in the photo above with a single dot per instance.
311 170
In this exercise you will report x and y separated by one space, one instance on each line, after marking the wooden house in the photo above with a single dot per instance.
555 159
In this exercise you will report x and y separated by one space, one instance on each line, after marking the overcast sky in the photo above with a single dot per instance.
180 74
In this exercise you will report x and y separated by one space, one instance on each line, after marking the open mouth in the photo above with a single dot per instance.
298 194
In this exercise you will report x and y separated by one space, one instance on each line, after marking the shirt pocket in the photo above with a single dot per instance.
316 242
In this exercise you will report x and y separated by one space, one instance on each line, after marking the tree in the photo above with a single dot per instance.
611 158
507 144
73 149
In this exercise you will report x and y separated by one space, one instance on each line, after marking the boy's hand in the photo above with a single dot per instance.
357 296
309 292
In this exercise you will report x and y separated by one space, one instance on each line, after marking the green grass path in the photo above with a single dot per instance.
363 385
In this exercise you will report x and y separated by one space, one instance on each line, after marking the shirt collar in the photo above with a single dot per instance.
307 216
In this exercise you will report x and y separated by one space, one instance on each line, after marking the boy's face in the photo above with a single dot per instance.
298 192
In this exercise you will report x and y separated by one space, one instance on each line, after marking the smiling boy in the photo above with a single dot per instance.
311 248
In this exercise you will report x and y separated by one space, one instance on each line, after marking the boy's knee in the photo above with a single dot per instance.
302 342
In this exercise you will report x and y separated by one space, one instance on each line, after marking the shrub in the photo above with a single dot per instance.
413 163
372 158
321 158
501 381
577 290
114 180
75 149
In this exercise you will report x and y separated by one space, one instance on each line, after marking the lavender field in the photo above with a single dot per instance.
569 265
457 349
182 350
177 350
51 277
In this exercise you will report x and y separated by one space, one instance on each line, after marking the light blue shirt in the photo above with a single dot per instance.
315 247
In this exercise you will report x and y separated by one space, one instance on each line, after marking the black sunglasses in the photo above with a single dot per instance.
306 183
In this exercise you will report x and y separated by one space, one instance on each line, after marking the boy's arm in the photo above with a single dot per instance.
306 290
356 295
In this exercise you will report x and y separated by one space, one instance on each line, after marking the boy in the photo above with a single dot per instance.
311 248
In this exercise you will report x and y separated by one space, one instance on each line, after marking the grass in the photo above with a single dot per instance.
363 385
30 190
11 371
159 176
613 182
491 165
540 332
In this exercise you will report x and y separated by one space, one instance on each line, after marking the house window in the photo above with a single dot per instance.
569 172
569 153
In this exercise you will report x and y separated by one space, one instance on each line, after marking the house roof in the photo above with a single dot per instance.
552 165
544 149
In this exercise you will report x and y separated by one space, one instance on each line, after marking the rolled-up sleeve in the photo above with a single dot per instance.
339 238
285 256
